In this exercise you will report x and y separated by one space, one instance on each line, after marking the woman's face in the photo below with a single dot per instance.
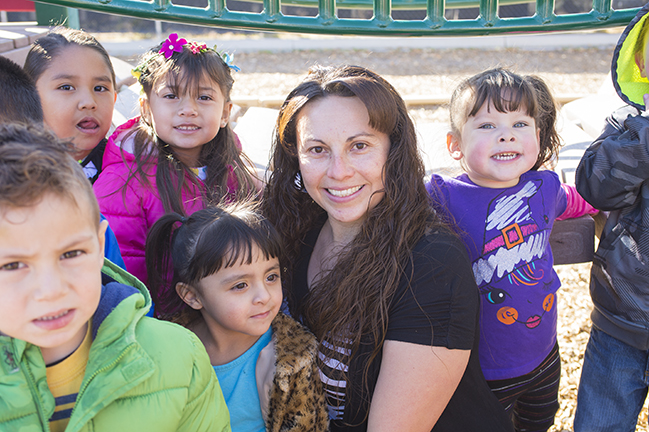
341 157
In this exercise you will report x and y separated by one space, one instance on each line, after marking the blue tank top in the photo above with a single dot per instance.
239 387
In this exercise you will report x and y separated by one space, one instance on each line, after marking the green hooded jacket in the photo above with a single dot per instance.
142 374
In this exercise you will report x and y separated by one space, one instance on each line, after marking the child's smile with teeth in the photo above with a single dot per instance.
53 317
187 128
505 156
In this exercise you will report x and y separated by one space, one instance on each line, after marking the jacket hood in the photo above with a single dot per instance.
628 83
117 286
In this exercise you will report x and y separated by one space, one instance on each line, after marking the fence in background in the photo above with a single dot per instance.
322 16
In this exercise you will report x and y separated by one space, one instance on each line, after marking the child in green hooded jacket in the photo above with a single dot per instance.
76 351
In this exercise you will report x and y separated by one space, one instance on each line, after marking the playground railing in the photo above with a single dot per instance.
325 19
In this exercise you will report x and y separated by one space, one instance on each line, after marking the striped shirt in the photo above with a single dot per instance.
64 380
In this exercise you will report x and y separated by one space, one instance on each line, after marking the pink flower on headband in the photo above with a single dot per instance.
197 47
171 45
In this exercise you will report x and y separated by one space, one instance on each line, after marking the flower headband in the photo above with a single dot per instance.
174 44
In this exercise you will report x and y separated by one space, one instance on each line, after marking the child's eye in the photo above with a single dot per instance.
520 124
12 266
205 98
101 88
240 286
273 277
486 126
169 96
71 254
66 87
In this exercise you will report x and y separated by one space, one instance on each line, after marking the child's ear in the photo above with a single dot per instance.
188 294
225 116
101 235
145 111
453 146
639 61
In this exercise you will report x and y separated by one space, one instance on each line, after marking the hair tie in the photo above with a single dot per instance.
183 219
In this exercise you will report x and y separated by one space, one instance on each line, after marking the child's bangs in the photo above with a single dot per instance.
229 242
184 81
190 70
505 98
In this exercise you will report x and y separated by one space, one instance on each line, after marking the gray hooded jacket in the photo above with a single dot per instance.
614 176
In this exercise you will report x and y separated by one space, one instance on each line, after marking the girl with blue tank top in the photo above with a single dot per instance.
224 265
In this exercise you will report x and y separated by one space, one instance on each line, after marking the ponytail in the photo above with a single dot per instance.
160 270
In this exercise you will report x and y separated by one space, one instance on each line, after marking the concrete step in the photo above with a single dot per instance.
16 38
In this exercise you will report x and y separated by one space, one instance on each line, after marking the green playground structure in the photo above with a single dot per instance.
327 21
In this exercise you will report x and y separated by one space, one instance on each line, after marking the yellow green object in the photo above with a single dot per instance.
627 79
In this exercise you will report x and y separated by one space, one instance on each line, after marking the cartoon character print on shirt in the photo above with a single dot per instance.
510 272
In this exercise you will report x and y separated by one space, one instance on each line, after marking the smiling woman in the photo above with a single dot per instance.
370 273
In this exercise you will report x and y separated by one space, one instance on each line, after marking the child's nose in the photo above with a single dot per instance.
262 294
507 136
87 101
50 285
187 108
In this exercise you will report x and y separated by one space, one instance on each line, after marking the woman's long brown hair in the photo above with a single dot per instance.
352 300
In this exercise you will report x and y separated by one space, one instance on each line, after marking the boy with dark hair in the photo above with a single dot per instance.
613 175
19 100
76 351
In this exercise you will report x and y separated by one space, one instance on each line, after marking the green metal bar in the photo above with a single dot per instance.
217 7
382 12
602 7
301 24
435 13
161 5
48 15
398 4
327 11
272 10
489 12
545 11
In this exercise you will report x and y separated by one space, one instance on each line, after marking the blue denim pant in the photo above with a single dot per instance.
613 385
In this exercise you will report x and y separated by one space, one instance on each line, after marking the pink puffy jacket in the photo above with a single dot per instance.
132 208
